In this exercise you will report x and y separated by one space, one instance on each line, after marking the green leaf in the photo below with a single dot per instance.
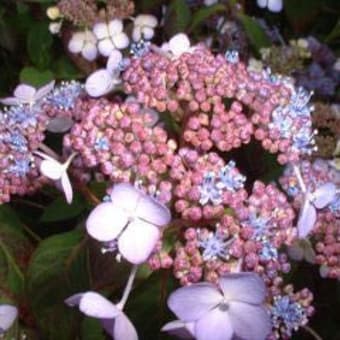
301 14
58 269
34 77
65 70
334 34
15 250
39 42
204 13
91 329
60 210
254 31
178 17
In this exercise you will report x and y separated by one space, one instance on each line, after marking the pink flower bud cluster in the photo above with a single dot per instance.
21 132
120 142
197 87
289 311
204 185
326 237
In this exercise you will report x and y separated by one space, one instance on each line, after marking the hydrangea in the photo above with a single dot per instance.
84 43
143 27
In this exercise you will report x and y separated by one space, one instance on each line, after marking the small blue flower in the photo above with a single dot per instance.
21 167
230 179
268 252
215 246
22 115
259 224
65 96
140 48
16 140
287 313
232 56
101 144
303 140
209 191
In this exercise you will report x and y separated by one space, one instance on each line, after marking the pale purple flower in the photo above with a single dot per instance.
178 45
318 199
84 43
26 94
8 314
132 221
233 309
143 27
113 320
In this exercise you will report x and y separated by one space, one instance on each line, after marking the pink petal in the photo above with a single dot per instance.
179 329
249 321
191 303
126 196
8 314
324 195
307 219
245 287
51 169
67 187
106 222
44 90
123 329
138 241
95 305
215 325
25 93
152 211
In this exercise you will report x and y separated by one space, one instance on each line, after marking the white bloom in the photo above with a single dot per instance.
178 45
110 36
210 2
54 27
8 314
143 27
103 81
84 43
273 5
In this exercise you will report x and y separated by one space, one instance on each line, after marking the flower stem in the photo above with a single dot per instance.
128 288
299 178
312 332
49 151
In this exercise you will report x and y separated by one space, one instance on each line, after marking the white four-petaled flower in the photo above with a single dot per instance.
113 320
234 308
272 5
110 36
8 314
132 219
178 45
84 43
143 27
26 94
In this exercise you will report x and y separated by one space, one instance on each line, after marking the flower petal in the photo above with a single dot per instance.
262 3
152 211
25 93
190 303
106 221
59 124
113 62
89 52
74 300
126 196
179 329
324 195
138 241
214 325
99 83
275 5
44 90
249 321
120 40
123 329
137 33
10 101
115 27
105 47
148 33
245 287
101 30
67 187
179 44
97 306
307 219
76 43
51 169
8 314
